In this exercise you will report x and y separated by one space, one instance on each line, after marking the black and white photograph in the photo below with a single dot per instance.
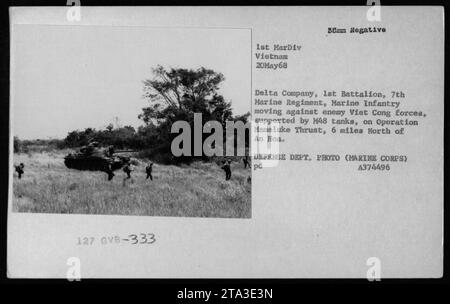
226 142
92 117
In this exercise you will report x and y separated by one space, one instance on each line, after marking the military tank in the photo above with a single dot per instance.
93 158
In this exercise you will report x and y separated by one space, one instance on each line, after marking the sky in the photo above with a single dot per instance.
67 78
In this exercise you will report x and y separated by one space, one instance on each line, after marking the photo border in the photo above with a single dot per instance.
166 287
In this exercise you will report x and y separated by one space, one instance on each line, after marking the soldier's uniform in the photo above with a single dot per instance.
110 173
227 168
110 151
19 170
246 162
148 170
127 170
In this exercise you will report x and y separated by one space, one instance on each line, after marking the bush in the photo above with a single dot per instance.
16 144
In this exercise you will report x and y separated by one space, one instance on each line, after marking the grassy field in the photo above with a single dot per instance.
198 190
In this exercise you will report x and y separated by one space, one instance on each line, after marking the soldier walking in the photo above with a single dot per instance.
148 170
246 162
227 168
127 170
19 170
110 172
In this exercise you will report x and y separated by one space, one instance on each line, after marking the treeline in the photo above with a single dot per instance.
173 95
37 145
121 138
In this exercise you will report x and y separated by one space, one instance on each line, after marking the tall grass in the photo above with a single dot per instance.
198 190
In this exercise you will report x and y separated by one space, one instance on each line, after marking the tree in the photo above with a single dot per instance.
176 94
182 92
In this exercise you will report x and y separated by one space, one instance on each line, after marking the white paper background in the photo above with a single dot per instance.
308 220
